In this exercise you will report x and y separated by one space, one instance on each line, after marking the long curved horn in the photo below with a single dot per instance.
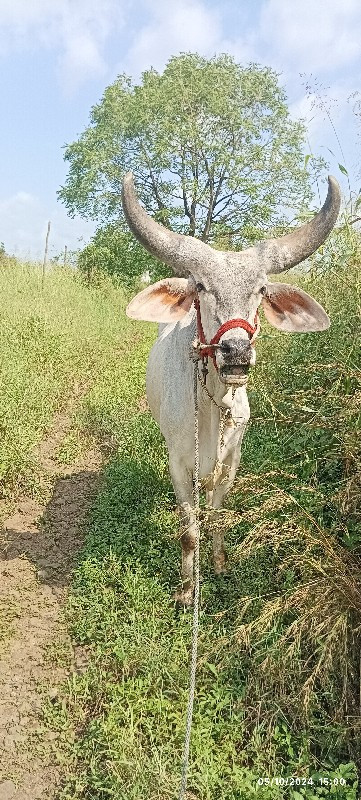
180 252
294 247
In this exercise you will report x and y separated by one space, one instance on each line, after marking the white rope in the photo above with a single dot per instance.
192 676
224 413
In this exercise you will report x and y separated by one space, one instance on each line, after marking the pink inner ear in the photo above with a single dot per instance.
291 309
165 301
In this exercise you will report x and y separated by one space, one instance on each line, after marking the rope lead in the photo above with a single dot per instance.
192 676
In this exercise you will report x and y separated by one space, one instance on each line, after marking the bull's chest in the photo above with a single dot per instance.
220 438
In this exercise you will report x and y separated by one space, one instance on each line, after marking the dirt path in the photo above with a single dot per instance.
38 546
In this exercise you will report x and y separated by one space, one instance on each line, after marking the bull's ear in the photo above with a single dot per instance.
165 301
291 309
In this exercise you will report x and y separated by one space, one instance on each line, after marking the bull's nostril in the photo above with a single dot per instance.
239 350
226 347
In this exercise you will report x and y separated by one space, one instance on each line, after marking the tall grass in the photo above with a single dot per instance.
278 682
302 502
53 342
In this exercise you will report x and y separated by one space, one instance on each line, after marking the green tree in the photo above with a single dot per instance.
211 144
118 253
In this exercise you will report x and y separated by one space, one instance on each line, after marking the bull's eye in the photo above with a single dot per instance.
263 290
200 287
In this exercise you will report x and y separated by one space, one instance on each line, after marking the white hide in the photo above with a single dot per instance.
170 380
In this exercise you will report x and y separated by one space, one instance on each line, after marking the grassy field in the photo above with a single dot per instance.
54 342
278 682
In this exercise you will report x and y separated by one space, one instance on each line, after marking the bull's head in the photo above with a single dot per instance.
230 285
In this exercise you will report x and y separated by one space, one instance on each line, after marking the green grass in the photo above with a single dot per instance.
53 343
278 679
277 683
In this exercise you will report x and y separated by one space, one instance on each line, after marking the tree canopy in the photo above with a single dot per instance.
211 144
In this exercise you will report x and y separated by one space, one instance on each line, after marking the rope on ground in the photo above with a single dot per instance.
193 667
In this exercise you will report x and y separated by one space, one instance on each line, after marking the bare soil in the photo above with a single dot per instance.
38 549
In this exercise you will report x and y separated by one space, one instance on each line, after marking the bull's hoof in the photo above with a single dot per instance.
184 597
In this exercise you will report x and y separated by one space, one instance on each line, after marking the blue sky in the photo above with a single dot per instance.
57 57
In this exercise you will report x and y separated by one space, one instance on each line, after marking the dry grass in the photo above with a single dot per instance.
321 616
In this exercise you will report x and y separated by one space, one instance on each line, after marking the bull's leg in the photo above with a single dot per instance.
188 538
182 480
215 499
219 555
217 530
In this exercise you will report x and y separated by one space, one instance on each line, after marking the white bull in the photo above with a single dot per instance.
228 288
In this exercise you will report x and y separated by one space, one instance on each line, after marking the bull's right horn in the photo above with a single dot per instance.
294 247
180 252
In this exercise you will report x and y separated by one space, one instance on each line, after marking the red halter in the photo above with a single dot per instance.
227 326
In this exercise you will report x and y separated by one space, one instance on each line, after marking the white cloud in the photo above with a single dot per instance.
186 25
307 108
331 135
322 107
80 60
76 29
242 49
24 222
321 36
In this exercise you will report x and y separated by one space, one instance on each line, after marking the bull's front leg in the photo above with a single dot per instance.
182 479
188 539
216 524
216 496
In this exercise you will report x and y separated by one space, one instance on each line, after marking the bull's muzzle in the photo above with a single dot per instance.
234 358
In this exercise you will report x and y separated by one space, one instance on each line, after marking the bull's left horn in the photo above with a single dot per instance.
293 248
180 252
